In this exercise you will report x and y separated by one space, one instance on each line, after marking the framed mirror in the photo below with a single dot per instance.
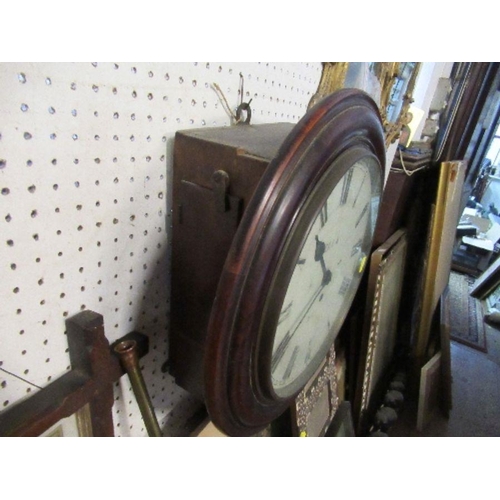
390 84
397 82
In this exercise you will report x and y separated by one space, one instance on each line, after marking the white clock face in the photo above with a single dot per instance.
325 278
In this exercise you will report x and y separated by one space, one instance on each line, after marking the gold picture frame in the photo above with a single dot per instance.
439 252
396 84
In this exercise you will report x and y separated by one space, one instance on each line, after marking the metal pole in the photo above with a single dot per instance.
127 350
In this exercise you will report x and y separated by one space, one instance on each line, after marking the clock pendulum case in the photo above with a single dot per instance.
272 230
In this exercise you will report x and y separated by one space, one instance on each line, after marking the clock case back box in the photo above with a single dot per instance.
207 207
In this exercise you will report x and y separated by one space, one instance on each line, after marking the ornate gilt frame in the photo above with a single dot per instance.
333 78
387 73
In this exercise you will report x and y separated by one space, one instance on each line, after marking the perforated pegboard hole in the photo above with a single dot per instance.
151 101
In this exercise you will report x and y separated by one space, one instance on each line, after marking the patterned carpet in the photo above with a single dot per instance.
466 313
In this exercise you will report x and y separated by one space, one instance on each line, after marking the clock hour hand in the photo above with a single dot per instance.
318 257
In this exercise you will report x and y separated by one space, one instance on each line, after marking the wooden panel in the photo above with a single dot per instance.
430 390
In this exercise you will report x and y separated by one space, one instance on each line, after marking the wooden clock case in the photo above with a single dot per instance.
207 208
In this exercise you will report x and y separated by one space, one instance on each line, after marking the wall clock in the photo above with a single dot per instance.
272 230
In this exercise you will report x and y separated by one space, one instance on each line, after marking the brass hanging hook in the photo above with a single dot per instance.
243 106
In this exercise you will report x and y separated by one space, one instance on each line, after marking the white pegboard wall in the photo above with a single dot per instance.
85 162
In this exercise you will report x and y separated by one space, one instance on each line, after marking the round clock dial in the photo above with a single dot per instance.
326 276
295 263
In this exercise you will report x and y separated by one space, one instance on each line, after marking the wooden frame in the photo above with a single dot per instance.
430 391
77 425
88 385
398 189
379 340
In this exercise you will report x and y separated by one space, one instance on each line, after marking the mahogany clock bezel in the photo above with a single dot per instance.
237 392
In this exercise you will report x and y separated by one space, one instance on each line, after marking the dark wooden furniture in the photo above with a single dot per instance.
94 369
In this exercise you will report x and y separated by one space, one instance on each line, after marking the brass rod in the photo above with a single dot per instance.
127 351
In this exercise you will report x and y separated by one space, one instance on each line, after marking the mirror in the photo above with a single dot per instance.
390 84
398 82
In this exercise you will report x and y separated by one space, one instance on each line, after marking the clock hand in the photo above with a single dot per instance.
282 346
318 256
327 276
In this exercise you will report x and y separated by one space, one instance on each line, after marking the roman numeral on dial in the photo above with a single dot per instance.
345 187
359 190
285 313
291 363
324 214
362 214
280 350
